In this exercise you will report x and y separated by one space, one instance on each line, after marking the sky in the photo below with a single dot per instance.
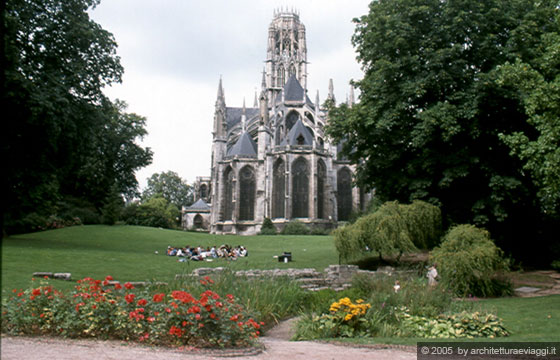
175 51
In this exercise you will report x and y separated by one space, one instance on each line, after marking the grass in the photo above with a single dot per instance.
128 253
534 319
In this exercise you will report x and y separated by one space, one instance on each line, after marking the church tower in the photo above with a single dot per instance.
286 51
273 160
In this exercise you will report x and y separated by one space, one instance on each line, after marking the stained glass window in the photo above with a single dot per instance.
300 188
344 194
279 190
227 204
247 193
321 178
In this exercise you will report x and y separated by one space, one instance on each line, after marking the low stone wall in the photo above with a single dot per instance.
336 277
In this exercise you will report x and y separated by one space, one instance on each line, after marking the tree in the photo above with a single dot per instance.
170 186
538 87
432 109
468 260
62 137
154 212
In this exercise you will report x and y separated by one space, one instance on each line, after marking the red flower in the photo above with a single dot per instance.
207 278
118 286
151 319
79 305
129 298
142 302
36 292
212 316
183 296
193 310
109 278
175 331
197 317
158 297
128 286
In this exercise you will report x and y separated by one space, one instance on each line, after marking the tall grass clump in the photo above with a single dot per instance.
469 263
269 299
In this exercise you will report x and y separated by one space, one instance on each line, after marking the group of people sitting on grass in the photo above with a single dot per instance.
201 254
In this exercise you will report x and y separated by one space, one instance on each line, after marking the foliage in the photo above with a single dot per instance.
442 109
94 309
537 83
345 319
270 300
155 212
555 265
468 260
415 310
64 138
295 227
423 222
170 186
384 232
464 324
268 227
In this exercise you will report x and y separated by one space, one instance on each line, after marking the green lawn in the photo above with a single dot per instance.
128 253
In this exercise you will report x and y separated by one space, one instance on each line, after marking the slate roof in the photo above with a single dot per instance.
199 205
233 115
295 132
293 91
245 146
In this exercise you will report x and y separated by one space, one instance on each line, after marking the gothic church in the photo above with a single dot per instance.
273 160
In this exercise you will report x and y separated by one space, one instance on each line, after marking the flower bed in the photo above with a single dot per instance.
94 309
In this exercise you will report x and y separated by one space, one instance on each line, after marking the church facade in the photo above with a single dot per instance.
273 160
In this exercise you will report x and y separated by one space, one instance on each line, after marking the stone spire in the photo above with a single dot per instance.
255 102
317 103
351 99
220 112
331 91
244 117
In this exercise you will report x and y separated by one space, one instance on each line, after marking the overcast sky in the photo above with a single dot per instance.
174 52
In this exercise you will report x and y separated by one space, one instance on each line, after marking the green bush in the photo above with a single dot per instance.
461 325
423 222
155 212
469 262
97 310
295 228
383 232
268 227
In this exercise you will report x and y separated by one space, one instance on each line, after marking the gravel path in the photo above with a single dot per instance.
276 347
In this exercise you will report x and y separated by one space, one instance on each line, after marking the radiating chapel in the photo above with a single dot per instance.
273 160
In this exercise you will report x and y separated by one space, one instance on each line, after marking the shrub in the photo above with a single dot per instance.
461 325
96 310
295 228
468 261
345 319
384 232
155 212
268 227
423 223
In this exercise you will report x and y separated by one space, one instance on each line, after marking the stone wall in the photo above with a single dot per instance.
336 277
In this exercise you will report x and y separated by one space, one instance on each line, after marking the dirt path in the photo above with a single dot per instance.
276 347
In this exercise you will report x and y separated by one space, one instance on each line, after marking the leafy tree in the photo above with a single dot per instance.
170 186
433 105
62 137
538 87
155 212
384 232
468 260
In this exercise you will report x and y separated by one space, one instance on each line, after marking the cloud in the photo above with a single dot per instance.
174 52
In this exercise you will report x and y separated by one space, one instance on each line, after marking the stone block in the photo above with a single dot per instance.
62 276
43 274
